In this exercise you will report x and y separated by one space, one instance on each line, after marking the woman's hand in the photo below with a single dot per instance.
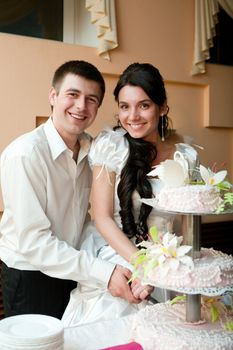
118 285
141 291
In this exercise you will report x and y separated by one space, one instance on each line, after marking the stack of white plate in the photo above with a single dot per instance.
31 332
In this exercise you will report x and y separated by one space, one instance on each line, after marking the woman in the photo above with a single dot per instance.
121 159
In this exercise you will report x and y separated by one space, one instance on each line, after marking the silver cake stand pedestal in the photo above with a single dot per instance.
191 230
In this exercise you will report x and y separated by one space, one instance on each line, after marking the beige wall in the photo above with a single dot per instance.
156 31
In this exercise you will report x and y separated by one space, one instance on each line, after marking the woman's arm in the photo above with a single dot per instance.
103 191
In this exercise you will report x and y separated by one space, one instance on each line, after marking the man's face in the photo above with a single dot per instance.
75 106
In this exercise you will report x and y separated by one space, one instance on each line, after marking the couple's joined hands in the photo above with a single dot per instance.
141 291
119 286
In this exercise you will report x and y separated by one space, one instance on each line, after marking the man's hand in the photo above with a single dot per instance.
141 291
119 287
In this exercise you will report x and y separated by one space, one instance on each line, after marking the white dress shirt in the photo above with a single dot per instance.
46 197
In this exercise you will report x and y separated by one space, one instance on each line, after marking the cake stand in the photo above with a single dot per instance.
191 232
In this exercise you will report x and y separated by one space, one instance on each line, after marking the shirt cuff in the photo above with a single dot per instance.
101 271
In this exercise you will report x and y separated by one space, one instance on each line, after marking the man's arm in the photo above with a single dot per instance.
31 236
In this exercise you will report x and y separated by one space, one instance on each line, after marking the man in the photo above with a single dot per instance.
46 180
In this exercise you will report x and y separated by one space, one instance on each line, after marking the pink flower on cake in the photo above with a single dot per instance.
172 172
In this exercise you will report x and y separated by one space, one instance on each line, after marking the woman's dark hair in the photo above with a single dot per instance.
141 152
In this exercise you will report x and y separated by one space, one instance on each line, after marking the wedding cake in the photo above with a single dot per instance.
164 262
163 327
180 194
191 199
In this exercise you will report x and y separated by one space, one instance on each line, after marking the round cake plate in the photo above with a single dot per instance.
207 291
153 203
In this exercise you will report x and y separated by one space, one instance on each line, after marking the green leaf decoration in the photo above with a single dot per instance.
139 261
150 266
221 208
135 255
197 182
227 184
229 326
154 233
178 298
134 275
224 186
228 198
214 313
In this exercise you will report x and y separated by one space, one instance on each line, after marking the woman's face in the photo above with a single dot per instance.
138 114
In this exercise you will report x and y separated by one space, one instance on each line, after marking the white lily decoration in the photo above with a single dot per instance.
172 172
172 253
168 253
163 254
211 178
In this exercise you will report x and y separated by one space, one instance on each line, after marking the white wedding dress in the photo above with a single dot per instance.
90 302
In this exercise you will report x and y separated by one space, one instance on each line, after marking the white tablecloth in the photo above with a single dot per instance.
99 335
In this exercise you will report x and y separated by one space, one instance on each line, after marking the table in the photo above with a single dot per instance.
98 335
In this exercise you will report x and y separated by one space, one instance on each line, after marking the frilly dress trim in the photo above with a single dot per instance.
110 151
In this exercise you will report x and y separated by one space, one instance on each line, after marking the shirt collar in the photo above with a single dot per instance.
58 146
85 144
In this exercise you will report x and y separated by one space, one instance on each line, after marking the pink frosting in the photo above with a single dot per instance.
163 327
190 198
212 271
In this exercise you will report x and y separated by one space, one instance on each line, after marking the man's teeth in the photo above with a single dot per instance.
77 116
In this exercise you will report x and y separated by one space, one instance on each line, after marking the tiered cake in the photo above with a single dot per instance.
203 318
179 193
163 327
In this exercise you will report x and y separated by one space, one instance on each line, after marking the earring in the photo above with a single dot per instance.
117 120
162 128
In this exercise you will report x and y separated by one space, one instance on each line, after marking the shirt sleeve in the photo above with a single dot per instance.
109 150
25 193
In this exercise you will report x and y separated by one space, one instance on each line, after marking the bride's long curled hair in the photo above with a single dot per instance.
141 152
